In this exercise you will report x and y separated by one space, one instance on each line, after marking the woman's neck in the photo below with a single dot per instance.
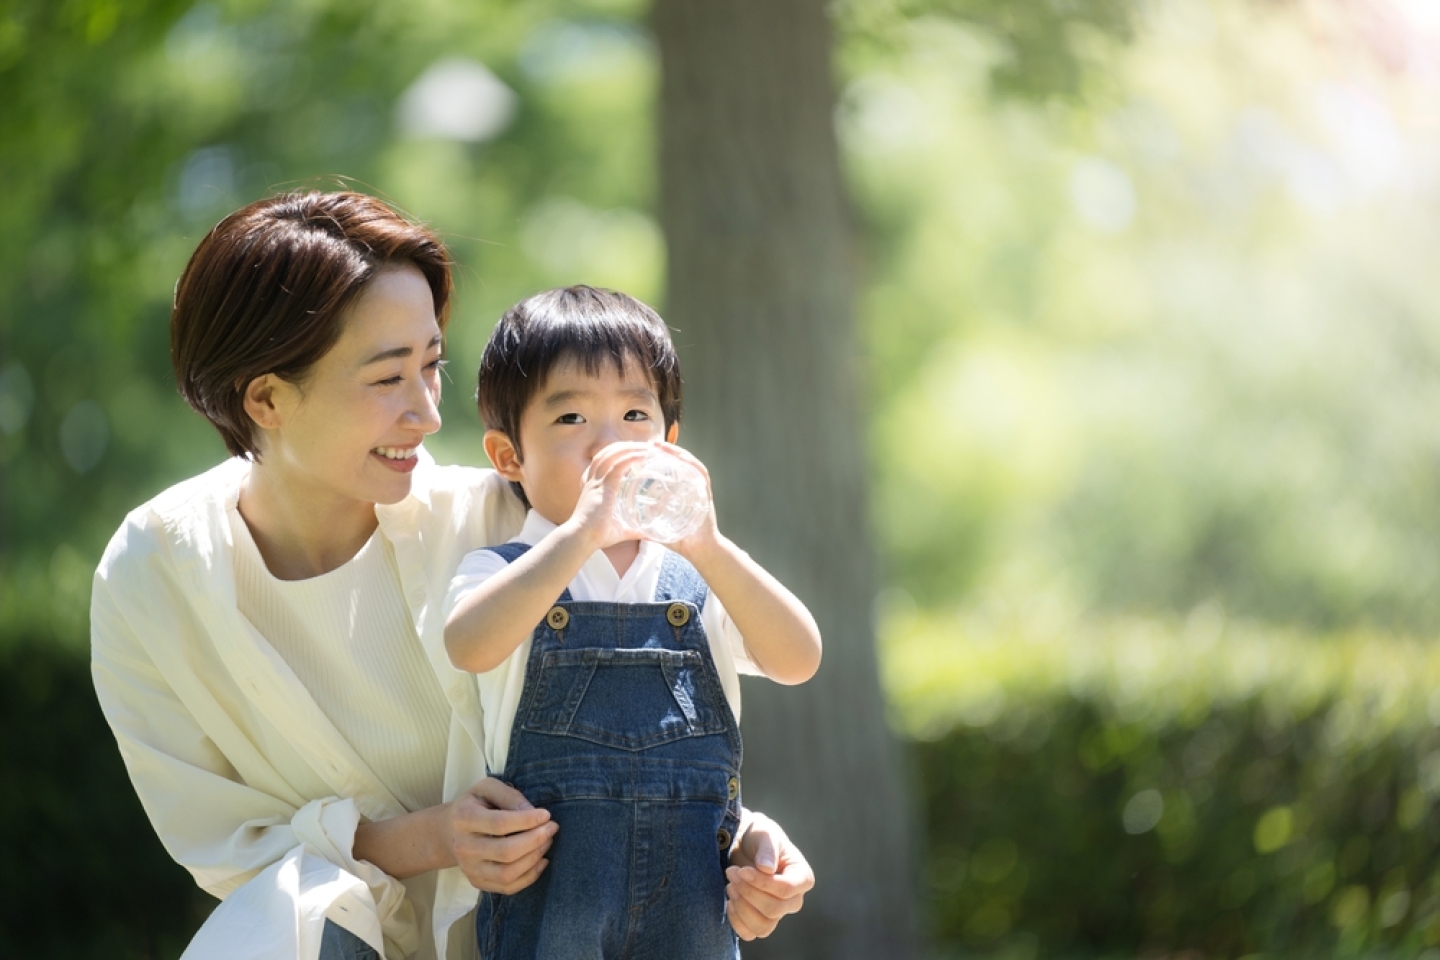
301 537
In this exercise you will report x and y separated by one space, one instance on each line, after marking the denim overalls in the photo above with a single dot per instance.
624 734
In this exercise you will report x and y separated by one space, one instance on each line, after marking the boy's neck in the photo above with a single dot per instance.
621 555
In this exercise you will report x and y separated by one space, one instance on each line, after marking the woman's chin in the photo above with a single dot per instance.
390 487
394 492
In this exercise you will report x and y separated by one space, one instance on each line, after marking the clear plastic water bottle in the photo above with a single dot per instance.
663 497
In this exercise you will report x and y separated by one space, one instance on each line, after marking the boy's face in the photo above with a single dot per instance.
572 417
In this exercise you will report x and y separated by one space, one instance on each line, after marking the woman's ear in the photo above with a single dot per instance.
260 401
673 434
503 454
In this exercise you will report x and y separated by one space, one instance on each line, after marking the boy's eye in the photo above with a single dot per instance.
569 418
637 415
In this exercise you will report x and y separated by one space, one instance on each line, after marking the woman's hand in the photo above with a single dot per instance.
768 878
497 838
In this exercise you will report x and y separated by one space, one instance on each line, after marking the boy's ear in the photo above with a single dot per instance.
503 454
673 434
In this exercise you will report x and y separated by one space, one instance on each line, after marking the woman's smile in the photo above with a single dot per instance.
399 459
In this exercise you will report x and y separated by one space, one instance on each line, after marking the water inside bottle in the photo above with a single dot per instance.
664 499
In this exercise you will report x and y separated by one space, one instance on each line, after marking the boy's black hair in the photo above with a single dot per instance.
587 325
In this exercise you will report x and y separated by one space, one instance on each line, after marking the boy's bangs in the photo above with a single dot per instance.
597 343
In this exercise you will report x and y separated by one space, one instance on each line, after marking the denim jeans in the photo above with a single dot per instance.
624 734
337 943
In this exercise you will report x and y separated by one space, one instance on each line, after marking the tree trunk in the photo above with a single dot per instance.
761 293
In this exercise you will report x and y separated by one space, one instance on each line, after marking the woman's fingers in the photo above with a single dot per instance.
500 840
503 876
755 907
761 899
497 809
767 879
499 795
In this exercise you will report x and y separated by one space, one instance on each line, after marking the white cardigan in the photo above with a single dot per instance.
209 719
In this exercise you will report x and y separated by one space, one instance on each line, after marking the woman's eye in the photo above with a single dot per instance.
437 364
389 381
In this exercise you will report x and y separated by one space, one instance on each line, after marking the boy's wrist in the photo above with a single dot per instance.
586 538
702 551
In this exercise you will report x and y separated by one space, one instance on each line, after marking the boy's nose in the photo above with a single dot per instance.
602 437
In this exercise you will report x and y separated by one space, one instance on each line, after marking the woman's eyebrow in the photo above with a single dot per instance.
395 353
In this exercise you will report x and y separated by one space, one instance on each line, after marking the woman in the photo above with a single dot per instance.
267 642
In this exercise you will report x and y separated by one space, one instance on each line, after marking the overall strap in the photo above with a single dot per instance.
680 581
510 552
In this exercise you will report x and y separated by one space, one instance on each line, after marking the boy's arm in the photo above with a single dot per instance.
780 634
489 622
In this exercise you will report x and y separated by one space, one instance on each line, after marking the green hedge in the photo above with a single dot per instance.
84 875
1132 789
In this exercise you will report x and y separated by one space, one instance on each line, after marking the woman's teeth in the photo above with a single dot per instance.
396 453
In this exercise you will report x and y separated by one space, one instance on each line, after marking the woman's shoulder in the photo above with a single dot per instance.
462 496
186 514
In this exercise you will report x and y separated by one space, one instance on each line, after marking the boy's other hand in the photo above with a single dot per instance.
768 878
708 533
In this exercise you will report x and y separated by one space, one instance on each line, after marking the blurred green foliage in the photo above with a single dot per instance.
84 875
1171 339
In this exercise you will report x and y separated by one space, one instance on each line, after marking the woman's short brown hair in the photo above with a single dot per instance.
266 292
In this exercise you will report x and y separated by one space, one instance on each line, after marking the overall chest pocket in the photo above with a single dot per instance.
630 699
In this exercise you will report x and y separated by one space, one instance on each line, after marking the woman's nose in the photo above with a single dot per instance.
425 408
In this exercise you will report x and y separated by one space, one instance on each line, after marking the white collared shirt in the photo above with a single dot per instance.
230 753
597 582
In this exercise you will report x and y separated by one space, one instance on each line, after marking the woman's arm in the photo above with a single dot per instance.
490 832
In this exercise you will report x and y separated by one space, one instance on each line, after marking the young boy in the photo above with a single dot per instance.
608 664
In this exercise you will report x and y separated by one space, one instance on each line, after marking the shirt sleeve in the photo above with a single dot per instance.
718 624
475 568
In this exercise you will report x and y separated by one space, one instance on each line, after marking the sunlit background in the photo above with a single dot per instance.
1151 326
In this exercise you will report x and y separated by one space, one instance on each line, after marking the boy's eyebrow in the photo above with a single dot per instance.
562 397
400 352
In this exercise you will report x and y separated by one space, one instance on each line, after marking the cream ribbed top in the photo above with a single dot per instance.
348 637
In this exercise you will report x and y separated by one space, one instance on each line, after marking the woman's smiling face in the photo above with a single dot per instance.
352 429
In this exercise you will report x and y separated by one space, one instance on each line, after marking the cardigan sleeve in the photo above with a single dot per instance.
210 822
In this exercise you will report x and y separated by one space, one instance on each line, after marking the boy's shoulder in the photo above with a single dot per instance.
509 551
